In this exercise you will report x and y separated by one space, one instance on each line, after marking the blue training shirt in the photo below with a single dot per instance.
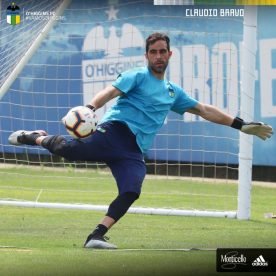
145 103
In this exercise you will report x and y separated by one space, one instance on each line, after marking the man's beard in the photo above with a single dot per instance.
157 69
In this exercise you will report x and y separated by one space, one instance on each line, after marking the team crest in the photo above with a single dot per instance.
171 92
13 14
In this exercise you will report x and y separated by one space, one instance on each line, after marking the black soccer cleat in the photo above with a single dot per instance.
98 242
23 137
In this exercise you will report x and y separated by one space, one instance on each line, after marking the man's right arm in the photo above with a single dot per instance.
104 96
215 115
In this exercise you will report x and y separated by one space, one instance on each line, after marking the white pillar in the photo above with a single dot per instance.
248 66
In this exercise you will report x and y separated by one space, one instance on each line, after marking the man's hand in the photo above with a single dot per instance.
91 107
259 129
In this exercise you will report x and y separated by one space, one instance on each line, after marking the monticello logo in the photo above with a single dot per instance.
232 259
106 56
245 260
13 14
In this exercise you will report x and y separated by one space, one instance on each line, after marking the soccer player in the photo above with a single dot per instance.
126 132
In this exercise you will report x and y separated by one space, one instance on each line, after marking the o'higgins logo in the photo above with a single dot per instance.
13 14
105 58
107 54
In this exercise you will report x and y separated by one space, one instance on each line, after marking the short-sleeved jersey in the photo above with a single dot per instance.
145 103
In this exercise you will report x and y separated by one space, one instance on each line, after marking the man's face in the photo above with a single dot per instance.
158 56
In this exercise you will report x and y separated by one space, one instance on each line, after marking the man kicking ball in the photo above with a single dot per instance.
128 128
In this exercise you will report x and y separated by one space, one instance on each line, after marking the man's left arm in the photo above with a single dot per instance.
215 115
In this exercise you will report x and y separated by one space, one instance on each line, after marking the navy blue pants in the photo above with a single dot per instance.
114 144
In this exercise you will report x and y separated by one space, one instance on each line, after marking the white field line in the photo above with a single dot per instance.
25 249
132 210
154 249
39 194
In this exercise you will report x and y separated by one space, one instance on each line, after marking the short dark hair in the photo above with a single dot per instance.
155 37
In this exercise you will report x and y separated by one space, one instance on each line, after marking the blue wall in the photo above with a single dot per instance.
73 64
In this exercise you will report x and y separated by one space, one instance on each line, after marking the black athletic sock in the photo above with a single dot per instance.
98 233
100 230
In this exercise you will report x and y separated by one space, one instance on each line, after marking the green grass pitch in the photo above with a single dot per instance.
49 241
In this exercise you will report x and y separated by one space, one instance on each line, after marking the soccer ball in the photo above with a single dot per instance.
80 122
